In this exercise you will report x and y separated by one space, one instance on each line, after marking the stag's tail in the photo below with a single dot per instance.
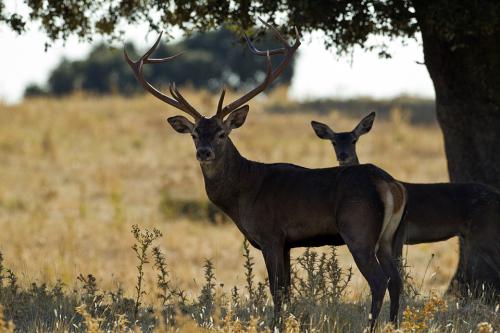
394 197
401 234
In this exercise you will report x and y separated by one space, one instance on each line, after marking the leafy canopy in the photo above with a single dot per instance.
346 23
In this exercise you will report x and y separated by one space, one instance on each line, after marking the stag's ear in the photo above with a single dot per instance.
365 125
181 124
322 130
237 117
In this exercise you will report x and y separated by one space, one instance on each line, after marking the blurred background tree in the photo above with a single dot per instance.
210 60
461 43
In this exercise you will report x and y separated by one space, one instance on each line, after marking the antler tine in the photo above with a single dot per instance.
221 102
297 33
288 51
179 103
276 31
251 94
178 96
153 48
137 65
258 52
160 60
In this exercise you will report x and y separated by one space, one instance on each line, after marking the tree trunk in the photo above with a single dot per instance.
466 77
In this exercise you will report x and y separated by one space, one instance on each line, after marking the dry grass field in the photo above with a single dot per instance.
77 173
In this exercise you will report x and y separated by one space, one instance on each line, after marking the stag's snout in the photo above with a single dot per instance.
205 154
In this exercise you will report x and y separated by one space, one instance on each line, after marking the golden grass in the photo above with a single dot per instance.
76 173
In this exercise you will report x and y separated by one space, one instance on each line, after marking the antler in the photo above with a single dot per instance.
288 51
178 101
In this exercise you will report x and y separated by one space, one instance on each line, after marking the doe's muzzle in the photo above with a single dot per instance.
342 157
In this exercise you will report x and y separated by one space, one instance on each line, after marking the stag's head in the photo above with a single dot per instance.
210 134
344 143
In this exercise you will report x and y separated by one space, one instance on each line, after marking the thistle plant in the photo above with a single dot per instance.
249 275
143 239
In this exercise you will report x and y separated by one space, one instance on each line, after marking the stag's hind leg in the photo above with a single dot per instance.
359 233
395 284
374 274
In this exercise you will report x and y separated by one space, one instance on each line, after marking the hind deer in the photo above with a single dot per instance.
281 206
437 212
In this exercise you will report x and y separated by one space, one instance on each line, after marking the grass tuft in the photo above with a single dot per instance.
318 302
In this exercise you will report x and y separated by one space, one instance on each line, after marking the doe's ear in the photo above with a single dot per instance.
323 131
237 117
181 124
365 125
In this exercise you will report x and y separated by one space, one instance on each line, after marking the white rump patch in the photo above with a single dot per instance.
391 219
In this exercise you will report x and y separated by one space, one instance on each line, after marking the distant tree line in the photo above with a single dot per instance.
210 60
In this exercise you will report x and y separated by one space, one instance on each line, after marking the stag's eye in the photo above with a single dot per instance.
334 143
222 135
354 141
194 136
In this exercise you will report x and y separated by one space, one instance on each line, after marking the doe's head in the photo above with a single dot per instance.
344 143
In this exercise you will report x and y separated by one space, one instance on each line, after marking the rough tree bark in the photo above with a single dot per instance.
466 79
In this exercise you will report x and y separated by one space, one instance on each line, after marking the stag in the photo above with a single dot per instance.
281 206
437 212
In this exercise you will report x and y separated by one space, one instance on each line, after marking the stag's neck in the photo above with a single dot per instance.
228 177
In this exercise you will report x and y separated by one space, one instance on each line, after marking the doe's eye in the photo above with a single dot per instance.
354 141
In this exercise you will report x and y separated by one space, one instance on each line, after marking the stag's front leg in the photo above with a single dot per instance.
274 256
